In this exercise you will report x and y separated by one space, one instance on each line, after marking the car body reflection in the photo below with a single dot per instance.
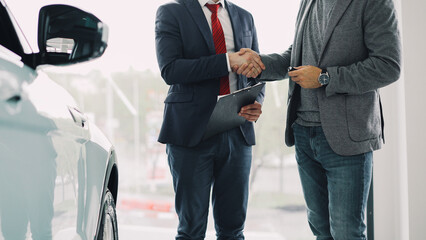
56 167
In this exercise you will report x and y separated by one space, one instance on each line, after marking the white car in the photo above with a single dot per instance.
58 172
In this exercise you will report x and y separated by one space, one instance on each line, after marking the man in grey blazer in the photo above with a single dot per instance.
343 52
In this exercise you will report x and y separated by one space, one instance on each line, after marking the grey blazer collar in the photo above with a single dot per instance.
336 15
300 25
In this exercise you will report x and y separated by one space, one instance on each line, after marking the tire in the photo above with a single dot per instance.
108 229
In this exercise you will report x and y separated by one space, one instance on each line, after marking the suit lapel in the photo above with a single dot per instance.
300 26
200 19
236 24
297 44
336 15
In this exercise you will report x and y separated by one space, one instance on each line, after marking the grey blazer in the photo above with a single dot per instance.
362 53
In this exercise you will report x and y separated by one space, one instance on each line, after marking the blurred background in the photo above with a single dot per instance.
123 93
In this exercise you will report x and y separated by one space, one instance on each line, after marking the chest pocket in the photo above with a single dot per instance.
247 39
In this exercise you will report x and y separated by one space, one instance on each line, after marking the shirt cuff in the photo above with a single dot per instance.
228 63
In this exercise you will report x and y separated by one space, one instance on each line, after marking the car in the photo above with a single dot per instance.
58 171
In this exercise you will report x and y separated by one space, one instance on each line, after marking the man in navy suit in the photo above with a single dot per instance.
196 43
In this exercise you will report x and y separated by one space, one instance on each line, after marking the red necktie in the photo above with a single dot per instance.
219 44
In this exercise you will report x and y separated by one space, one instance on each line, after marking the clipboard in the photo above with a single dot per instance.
225 114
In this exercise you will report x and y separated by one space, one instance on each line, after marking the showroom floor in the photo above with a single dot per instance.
272 214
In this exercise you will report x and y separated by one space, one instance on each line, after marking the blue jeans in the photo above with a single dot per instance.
335 187
223 163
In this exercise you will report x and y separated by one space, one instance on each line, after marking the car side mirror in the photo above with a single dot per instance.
69 35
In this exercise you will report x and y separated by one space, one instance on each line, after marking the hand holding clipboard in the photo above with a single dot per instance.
225 114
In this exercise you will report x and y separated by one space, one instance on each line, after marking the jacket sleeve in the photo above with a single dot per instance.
276 65
382 66
175 69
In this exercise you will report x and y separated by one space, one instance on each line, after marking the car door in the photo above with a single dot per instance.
57 173
42 154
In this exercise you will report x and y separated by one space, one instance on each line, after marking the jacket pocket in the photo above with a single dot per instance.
179 97
363 116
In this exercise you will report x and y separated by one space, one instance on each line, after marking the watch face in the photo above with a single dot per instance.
323 79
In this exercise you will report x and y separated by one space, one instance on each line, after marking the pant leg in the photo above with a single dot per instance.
349 180
192 171
231 186
314 182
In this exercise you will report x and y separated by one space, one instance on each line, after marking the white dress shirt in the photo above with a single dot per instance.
225 21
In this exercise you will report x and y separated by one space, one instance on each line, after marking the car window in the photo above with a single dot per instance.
11 35
8 36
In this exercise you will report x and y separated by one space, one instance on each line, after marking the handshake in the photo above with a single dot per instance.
246 62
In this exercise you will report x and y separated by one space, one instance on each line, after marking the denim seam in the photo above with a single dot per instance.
361 209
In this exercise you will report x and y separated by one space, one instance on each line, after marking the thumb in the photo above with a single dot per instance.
242 51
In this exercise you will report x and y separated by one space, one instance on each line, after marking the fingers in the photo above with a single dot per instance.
243 51
257 67
250 118
249 64
252 109
296 72
296 75
242 68
235 68
255 105
247 70
255 58
252 69
254 72
259 62
251 112
306 76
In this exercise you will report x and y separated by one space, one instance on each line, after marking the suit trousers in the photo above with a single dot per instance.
335 187
220 166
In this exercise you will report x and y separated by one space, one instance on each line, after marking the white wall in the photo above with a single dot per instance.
414 53
399 172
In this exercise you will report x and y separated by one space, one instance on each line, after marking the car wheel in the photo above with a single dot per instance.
108 228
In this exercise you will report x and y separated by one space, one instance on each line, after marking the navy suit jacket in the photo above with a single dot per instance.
190 65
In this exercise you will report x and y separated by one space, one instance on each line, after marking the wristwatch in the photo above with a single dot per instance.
324 78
